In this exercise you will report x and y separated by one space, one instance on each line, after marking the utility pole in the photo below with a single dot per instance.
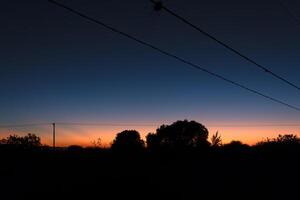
53 132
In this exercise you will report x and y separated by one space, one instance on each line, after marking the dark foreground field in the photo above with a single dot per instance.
214 173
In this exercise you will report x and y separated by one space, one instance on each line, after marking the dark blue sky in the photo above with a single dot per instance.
56 66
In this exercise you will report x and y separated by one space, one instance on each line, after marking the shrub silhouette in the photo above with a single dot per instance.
28 141
75 148
281 144
235 144
216 140
180 134
97 143
289 139
128 140
236 147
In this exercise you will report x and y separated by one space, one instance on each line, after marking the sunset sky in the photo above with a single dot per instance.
58 67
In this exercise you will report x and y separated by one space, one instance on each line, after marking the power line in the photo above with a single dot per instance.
158 5
198 67
289 12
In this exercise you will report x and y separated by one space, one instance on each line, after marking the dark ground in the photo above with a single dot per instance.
250 173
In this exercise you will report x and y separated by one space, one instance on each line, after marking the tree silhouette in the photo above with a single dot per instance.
281 143
180 134
288 139
153 141
236 146
29 141
128 140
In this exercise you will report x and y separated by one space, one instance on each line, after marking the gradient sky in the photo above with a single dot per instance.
58 67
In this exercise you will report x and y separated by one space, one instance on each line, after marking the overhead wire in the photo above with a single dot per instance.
158 5
182 60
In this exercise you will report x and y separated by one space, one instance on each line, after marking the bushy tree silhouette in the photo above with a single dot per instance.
28 141
280 144
236 146
128 140
180 134
153 141
288 139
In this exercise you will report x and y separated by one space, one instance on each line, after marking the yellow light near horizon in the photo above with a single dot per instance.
252 135
84 136
248 135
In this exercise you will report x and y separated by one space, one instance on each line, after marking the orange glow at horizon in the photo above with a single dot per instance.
83 136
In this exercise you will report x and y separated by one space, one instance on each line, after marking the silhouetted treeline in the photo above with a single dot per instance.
178 161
